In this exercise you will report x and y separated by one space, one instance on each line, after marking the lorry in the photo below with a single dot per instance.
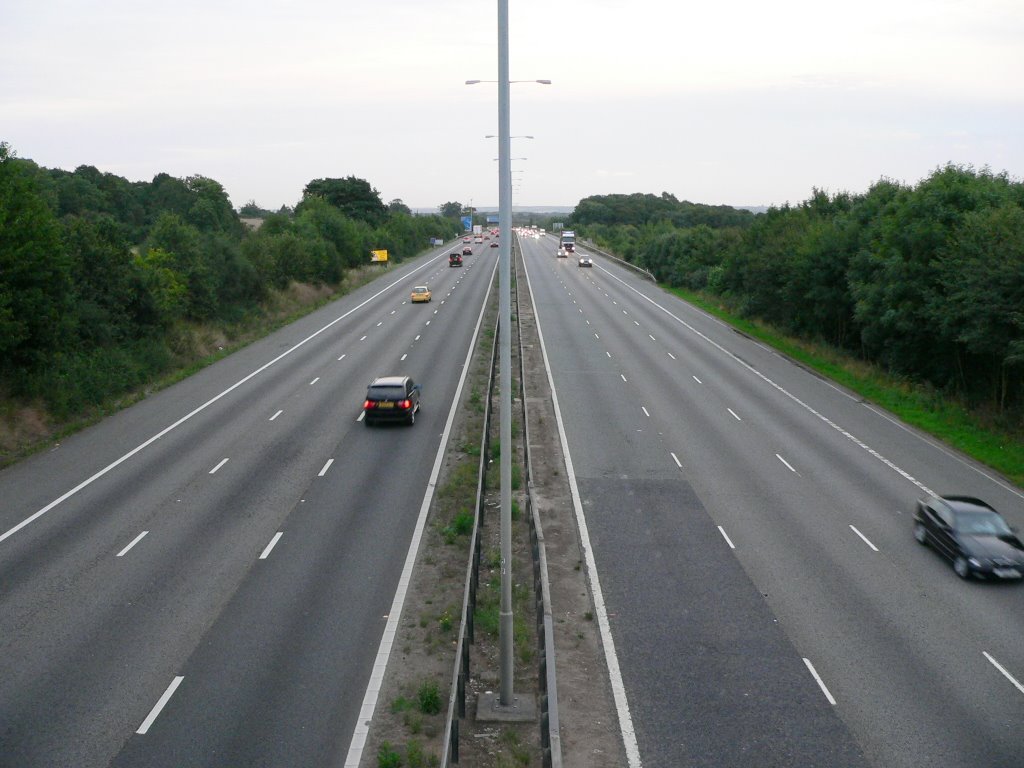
567 240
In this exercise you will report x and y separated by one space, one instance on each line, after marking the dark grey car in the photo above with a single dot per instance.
971 534
391 398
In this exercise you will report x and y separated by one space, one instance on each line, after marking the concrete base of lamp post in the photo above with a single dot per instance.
489 709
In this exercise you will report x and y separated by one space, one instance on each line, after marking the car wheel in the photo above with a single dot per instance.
960 566
412 418
920 534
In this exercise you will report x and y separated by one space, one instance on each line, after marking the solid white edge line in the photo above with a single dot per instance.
96 476
275 415
821 683
614 673
326 467
273 542
135 541
865 538
728 541
788 465
1006 674
362 728
676 460
361 415
848 435
221 464
158 707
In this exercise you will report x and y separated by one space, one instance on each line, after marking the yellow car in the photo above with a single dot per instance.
420 293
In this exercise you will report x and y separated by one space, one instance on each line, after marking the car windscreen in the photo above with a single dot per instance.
981 524
386 393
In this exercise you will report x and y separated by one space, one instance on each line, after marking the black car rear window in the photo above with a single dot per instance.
386 393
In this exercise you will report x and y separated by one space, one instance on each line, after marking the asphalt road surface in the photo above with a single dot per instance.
751 526
214 589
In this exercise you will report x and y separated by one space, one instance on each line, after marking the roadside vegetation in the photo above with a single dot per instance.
912 296
108 287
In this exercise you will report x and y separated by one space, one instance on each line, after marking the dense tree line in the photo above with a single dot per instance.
98 275
927 280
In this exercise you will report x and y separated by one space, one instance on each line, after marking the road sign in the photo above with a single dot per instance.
379 256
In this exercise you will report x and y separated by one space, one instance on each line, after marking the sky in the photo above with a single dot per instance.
745 103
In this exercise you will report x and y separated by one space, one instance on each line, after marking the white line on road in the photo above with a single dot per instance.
676 460
730 410
270 546
380 323
1006 674
314 381
671 355
626 728
222 463
341 358
155 712
326 467
361 414
362 728
636 323
417 337
727 539
821 683
608 353
848 435
428 322
696 379
648 415
403 357
596 336
788 465
651 337
623 377
865 538
363 339
135 541
275 415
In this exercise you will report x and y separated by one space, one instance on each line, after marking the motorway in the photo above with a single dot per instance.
205 578
751 527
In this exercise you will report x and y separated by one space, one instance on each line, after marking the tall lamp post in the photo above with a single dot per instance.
506 700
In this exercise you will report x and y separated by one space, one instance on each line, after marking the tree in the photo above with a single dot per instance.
35 277
354 197
450 210
397 206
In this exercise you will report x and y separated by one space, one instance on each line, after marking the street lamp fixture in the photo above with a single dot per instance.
542 82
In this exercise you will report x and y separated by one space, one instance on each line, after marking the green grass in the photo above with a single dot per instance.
917 405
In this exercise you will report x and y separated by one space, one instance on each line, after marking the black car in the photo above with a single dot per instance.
467 251
391 398
971 534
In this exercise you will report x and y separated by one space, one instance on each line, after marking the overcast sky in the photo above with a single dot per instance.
744 102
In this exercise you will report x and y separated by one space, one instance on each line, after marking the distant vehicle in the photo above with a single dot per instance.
567 240
467 251
494 244
391 398
455 260
561 253
478 240
585 261
487 237
465 239
420 293
971 534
